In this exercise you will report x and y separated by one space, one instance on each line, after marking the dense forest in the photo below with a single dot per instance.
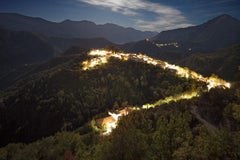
224 63
65 97
171 131
47 114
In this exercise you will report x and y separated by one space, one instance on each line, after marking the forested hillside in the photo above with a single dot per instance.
22 48
171 131
225 63
60 100
65 97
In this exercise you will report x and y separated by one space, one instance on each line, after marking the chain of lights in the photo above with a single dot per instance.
101 57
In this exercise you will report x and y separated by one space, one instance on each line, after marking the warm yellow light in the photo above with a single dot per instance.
102 56
110 123
228 85
169 99
98 52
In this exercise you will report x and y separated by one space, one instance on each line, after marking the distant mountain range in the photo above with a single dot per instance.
72 29
20 49
220 32
217 33
30 40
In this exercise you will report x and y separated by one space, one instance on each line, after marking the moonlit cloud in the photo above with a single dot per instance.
164 23
166 17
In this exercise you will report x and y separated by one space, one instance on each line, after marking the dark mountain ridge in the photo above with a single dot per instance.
72 29
20 47
21 51
217 33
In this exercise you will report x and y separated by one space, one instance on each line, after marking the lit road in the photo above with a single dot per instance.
101 57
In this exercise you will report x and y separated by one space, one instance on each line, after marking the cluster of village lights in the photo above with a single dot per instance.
101 57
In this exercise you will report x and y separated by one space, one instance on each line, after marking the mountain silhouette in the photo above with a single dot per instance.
72 29
217 33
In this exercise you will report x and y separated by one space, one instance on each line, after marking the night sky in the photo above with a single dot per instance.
154 15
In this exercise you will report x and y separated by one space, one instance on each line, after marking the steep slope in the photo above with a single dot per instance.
20 47
72 29
19 50
217 33
63 96
225 63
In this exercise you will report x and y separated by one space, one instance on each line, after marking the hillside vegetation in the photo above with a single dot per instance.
59 99
167 132
225 63
64 97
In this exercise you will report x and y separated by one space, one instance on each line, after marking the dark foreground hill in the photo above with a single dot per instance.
62 96
167 132
59 96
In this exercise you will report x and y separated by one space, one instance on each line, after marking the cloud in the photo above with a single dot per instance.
163 23
166 17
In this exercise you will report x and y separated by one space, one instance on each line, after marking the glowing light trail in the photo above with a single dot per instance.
102 56
110 122
170 99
